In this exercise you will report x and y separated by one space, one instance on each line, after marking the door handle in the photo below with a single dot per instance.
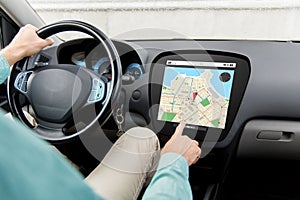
282 136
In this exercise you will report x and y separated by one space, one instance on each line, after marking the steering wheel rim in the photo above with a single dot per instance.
51 133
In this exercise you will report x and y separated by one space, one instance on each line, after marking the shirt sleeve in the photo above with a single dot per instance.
171 179
31 170
4 69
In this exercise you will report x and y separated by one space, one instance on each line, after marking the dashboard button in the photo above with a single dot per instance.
136 95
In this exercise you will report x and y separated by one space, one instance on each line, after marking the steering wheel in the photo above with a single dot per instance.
61 94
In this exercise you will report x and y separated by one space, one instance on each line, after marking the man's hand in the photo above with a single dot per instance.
25 43
183 145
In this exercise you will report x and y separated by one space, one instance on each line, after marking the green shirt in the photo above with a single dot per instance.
31 170
4 69
171 179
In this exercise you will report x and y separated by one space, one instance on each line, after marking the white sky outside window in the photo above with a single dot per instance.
194 19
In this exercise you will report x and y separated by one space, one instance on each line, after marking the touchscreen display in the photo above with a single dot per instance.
196 92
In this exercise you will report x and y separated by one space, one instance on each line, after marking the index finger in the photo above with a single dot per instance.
179 129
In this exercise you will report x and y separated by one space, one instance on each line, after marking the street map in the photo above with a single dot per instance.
199 96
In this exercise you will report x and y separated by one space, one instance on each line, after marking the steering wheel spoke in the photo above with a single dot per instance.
21 81
97 92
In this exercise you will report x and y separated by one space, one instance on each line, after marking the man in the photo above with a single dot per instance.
30 169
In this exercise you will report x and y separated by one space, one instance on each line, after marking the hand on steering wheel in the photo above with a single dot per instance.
25 43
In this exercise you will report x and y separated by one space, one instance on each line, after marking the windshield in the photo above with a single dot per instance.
192 19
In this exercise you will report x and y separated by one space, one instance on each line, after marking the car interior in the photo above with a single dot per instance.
239 99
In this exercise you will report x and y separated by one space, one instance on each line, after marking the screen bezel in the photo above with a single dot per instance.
240 80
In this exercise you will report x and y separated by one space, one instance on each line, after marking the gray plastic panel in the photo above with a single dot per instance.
270 139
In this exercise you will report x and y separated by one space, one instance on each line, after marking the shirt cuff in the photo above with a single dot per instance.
4 69
175 161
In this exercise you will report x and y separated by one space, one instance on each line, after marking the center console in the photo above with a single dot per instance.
205 90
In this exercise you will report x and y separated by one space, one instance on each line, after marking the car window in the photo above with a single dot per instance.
8 29
197 19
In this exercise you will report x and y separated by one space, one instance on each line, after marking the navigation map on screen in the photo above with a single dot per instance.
196 92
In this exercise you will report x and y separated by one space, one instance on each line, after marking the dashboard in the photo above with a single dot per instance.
238 98
244 83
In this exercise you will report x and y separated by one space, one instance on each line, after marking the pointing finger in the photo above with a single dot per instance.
179 129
